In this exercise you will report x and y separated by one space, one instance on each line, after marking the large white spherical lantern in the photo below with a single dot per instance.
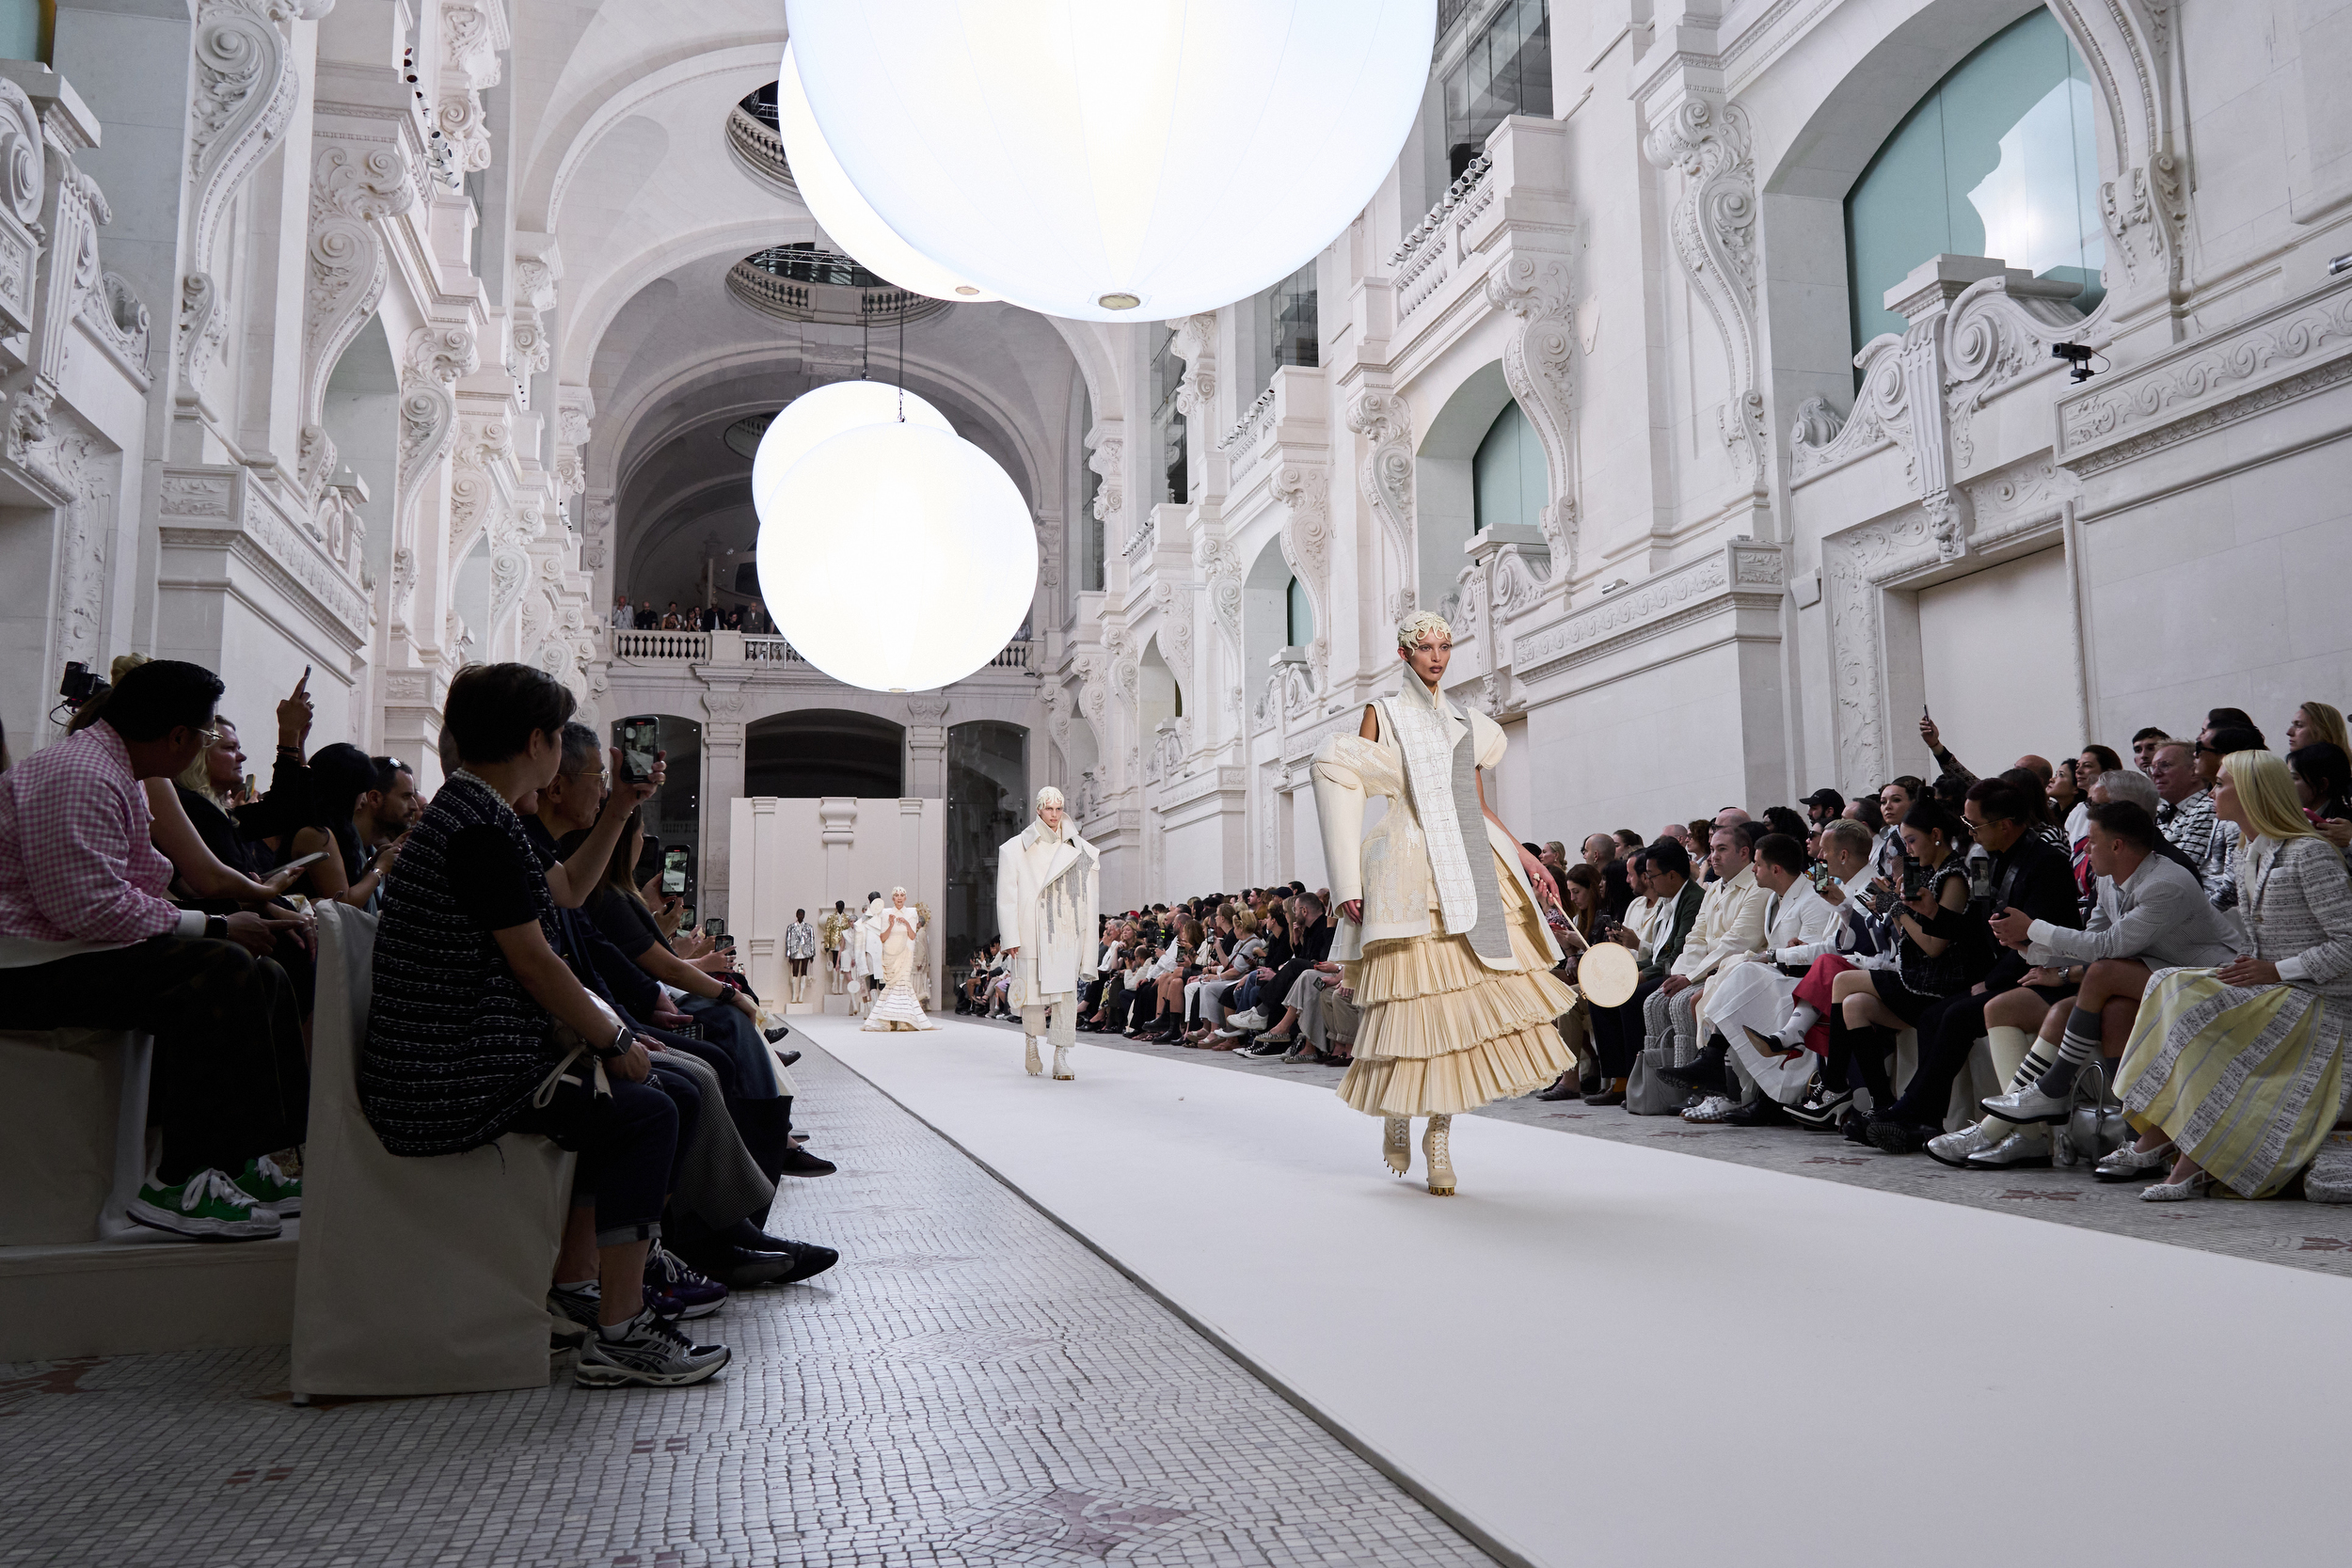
1116 160
818 415
897 558
842 214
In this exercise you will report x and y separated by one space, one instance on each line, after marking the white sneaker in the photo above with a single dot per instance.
652 1354
1241 1023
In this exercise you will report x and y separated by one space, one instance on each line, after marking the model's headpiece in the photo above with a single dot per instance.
1049 796
1425 623
898 893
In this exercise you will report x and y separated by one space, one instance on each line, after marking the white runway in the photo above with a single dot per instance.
1603 1354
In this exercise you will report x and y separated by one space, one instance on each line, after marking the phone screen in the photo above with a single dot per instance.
640 739
674 864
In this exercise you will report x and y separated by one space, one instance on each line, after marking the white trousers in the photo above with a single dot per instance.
1760 997
1055 1016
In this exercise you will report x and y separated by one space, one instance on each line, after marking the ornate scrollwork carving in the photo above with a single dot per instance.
1714 234
1304 492
1385 420
1538 366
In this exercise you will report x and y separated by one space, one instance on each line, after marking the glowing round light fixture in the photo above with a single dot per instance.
818 415
1142 158
843 214
897 556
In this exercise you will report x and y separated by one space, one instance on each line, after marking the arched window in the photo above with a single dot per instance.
2001 159
1298 616
1508 485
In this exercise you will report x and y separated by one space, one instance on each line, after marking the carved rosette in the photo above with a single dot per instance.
1714 234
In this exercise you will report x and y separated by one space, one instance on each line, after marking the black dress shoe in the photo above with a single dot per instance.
739 1268
1899 1137
1857 1127
1565 1087
789 1058
800 1161
778 1033
1763 1111
1607 1097
808 1260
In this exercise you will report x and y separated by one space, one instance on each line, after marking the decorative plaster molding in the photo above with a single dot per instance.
353 184
1304 492
2283 353
1743 571
1713 227
1103 457
1533 288
1194 343
1386 422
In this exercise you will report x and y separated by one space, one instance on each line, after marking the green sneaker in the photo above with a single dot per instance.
207 1207
268 1186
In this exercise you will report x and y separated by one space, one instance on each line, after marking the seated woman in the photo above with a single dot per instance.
1167 1022
1217 989
2240 1070
339 775
2323 782
1937 957
463 1044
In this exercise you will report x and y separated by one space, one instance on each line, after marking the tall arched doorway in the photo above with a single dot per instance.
988 783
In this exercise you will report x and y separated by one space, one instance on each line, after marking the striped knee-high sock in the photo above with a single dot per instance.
2079 1044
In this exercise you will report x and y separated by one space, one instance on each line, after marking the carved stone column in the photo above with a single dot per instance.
927 749
722 784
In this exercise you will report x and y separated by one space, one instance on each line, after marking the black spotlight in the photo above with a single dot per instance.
2077 355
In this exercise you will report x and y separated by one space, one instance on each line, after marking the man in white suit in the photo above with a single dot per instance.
1753 993
1047 898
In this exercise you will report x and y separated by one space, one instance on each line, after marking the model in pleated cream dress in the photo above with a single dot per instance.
898 1006
1441 935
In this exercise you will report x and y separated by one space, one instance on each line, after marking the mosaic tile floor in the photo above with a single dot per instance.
2316 1236
970 1386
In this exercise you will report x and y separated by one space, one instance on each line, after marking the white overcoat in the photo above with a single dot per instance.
1056 953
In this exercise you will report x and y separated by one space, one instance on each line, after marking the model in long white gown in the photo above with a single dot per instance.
899 1007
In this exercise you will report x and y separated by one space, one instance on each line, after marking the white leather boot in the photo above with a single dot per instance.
1030 1060
1434 1146
1061 1063
1396 1143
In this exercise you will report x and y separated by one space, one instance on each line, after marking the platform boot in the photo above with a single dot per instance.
1396 1143
1029 1061
1434 1148
1061 1065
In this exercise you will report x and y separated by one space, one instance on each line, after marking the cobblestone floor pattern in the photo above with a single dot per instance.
2315 1236
969 1385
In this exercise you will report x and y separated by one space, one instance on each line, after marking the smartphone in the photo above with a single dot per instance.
714 927
300 861
674 864
1821 874
640 738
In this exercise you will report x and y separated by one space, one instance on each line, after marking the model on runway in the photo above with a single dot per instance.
898 1008
800 946
1046 899
1441 934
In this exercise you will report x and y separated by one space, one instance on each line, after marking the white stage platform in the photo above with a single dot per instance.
1602 1355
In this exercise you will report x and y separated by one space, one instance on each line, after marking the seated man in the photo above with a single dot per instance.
1311 931
1755 993
88 940
1664 869
2151 916
1730 924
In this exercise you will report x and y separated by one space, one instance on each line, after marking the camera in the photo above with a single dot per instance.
80 685
2077 356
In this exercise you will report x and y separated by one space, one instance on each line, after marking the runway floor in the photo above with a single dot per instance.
1605 1354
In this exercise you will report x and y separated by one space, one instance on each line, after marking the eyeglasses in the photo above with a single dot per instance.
209 737
2205 751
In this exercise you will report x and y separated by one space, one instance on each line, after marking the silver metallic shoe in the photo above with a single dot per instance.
2028 1105
2129 1165
2025 1150
1953 1149
2198 1185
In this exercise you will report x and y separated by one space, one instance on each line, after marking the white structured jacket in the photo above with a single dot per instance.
1388 867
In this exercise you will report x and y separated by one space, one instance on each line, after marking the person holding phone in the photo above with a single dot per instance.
341 866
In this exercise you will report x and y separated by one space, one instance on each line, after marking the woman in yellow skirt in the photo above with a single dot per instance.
2236 1074
1441 935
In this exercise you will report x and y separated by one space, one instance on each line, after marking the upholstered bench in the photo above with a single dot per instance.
415 1276
72 1133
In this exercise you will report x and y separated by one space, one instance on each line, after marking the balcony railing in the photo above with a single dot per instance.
772 653
641 647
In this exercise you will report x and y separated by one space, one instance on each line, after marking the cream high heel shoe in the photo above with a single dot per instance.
1434 1148
1029 1061
1396 1143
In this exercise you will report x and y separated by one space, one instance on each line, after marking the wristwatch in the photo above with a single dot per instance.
619 1047
216 927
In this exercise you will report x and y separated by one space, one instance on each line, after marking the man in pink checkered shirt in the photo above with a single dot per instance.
89 939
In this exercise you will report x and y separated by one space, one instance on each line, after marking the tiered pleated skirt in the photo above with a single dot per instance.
1441 1033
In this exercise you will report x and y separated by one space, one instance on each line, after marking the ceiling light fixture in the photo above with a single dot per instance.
843 214
1094 161
897 556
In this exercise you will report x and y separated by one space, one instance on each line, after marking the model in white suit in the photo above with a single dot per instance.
1047 900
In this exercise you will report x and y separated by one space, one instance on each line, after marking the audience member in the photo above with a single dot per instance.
479 1029
2317 722
2323 782
1754 987
2239 1070
88 939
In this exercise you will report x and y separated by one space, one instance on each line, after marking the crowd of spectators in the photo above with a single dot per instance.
522 982
752 618
2118 939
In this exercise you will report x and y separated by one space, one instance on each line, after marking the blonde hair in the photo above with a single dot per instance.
197 777
2329 723
1414 628
2265 793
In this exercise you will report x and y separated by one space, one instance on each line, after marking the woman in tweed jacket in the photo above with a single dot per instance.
2241 1069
